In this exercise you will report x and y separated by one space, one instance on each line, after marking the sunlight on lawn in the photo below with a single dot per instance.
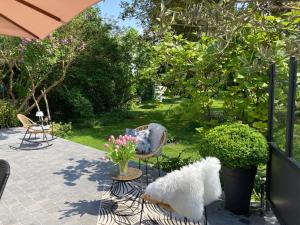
116 123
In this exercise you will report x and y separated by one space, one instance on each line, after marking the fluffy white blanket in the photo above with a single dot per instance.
189 189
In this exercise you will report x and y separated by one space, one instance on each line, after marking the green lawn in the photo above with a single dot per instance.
116 123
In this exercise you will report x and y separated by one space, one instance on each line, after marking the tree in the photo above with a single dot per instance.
103 77
233 71
35 61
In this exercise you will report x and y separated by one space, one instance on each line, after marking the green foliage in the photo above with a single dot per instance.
260 180
145 89
80 106
236 145
105 74
62 130
8 115
170 163
208 69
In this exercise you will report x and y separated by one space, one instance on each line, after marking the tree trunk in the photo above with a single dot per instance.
57 82
10 86
46 102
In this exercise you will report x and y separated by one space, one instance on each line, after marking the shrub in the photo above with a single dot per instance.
8 115
81 106
62 129
169 164
236 145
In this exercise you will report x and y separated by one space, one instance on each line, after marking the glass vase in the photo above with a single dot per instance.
123 167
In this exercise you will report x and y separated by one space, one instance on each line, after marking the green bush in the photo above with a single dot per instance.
236 145
169 164
81 106
8 115
62 129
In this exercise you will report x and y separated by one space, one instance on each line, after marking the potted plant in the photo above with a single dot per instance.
121 150
240 149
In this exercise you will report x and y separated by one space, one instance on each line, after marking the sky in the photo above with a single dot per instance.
111 9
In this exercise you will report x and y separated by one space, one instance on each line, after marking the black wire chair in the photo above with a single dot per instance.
4 174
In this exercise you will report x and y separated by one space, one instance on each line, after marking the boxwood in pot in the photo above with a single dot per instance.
240 149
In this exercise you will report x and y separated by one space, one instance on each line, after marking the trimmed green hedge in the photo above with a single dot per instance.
236 145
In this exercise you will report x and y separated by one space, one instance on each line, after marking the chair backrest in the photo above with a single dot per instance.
4 174
26 122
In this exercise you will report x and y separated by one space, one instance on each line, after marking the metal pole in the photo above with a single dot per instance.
272 77
291 107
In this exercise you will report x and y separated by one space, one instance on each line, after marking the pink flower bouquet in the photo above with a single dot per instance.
121 150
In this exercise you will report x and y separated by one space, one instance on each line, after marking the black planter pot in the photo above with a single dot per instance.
238 186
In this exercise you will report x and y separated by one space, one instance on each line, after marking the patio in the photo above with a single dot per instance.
62 184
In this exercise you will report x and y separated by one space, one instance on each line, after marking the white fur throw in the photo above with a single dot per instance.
189 189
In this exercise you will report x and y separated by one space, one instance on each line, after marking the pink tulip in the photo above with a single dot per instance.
102 157
111 138
117 147
106 145
133 139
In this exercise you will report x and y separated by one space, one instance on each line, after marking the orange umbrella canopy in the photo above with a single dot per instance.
38 18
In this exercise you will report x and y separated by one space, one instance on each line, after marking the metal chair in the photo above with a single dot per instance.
4 174
155 153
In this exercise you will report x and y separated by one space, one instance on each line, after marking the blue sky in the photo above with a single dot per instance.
111 9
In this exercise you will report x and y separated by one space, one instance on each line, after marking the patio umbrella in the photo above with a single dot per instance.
37 18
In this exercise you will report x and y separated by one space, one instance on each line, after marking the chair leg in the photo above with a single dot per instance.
141 217
158 165
205 215
45 136
24 136
147 171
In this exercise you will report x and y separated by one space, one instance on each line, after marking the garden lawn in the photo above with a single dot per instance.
183 133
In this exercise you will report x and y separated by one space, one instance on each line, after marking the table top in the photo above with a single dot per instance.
132 174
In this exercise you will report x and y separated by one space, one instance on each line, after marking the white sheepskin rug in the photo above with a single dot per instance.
189 189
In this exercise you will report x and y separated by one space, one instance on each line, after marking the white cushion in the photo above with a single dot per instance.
156 132
39 128
189 189
143 144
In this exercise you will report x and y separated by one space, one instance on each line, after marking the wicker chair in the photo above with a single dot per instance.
155 153
4 174
34 128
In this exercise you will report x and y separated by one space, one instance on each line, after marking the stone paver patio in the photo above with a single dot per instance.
61 184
